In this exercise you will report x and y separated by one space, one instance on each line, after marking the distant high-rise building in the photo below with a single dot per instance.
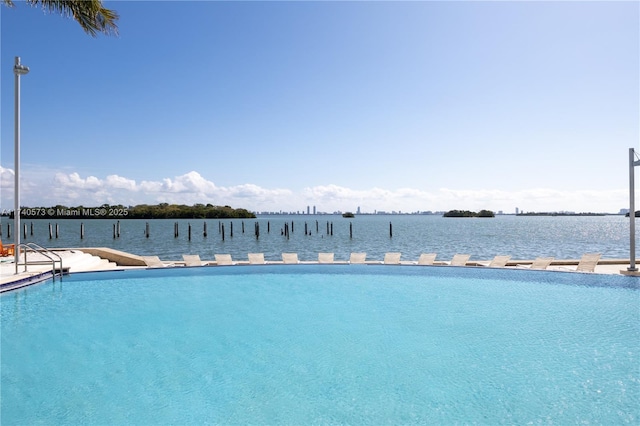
308 210
517 211
358 210
314 209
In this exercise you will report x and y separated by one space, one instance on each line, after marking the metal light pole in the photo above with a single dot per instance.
18 70
632 212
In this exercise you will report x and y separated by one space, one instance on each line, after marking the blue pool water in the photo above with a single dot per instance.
322 344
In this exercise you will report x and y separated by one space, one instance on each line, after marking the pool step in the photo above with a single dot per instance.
81 262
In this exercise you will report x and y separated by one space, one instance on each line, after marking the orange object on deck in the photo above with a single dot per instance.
8 250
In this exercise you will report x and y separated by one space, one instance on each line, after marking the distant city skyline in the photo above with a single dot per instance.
405 106
313 210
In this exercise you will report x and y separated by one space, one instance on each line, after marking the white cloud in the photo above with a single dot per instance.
73 180
119 182
73 189
190 188
150 186
6 177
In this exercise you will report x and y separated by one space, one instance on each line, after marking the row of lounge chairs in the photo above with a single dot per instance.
587 263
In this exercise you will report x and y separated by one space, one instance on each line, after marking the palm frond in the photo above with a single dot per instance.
92 16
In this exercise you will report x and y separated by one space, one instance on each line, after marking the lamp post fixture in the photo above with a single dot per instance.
18 70
632 212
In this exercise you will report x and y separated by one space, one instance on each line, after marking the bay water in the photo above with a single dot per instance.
522 237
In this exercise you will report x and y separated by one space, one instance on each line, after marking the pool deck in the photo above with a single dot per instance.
105 259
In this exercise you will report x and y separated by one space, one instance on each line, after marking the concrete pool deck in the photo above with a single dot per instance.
106 259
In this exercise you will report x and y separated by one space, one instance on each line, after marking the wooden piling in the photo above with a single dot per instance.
50 231
24 231
305 228
114 231
82 230
189 231
243 226
390 230
204 232
57 230
231 230
268 227
222 232
316 226
146 229
331 228
118 229
350 230
30 229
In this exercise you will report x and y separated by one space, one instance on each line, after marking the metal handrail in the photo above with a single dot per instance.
43 251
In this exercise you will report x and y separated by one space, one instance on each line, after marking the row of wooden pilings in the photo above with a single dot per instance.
116 230
285 231
51 230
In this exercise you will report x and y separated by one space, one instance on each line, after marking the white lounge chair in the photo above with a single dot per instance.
155 262
290 258
459 260
540 263
192 260
392 258
427 258
325 257
256 259
588 262
358 258
223 259
499 261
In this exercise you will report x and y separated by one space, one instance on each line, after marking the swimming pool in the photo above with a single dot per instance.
322 344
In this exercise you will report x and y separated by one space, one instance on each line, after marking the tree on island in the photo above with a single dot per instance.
92 16
467 213
181 211
486 213
141 211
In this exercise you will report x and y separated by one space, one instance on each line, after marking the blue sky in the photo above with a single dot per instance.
401 106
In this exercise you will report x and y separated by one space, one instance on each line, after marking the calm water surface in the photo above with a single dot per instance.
322 344
521 237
